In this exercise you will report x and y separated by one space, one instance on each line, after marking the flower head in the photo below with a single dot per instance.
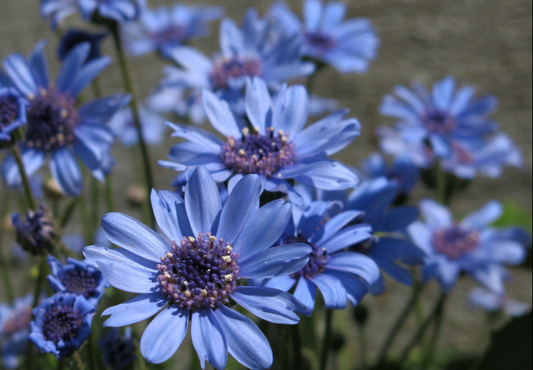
62 323
14 330
73 38
55 123
402 170
12 111
78 278
494 302
36 233
470 246
340 276
276 147
118 351
192 278
348 45
123 126
164 28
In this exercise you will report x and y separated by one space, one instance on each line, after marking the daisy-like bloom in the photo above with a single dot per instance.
77 277
73 38
123 126
36 232
164 28
14 330
118 351
255 50
470 246
193 277
277 147
494 302
55 123
348 45
12 112
61 324
340 275
57 10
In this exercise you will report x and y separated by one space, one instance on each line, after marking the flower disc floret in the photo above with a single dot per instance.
320 40
318 259
259 154
226 69
439 122
9 109
61 323
20 320
455 241
199 272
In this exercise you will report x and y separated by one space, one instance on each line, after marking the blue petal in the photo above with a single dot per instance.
346 238
332 290
220 115
311 218
312 14
284 283
329 176
202 201
231 40
257 103
72 64
20 74
443 93
276 261
268 304
421 236
398 273
483 217
245 341
136 309
334 225
37 61
291 109
263 229
241 204
164 334
32 159
88 73
132 235
332 15
164 205
355 263
398 218
355 288
66 172
99 111
305 292
492 276
436 215
208 339
394 249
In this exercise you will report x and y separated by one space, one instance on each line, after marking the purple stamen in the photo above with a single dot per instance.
439 122
318 260
320 41
226 69
9 109
80 281
61 323
455 241
19 321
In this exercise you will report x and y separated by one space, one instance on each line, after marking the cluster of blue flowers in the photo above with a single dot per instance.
262 217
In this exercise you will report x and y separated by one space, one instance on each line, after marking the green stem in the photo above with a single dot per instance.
95 209
411 304
362 346
97 90
441 183
428 357
109 194
437 310
128 85
296 347
326 341
78 361
65 218
91 352
6 279
36 294
85 220
25 182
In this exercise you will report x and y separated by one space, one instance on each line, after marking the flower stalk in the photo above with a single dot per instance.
25 182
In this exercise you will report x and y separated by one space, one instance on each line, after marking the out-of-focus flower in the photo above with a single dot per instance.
212 249
319 106
348 45
72 38
123 126
278 148
57 10
494 302
55 123
164 28
118 351
250 51
14 330
402 170
78 278
470 246
172 100
340 275
12 112
61 324
36 233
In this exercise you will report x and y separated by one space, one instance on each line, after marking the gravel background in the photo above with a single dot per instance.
486 43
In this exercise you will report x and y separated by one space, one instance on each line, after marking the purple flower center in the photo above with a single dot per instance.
9 109
320 41
61 323
52 117
259 154
439 122
225 69
199 272
171 33
318 260
19 321
80 281
455 241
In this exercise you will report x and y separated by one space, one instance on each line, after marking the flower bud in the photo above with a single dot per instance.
36 233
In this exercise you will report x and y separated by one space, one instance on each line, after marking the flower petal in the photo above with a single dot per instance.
483 217
332 290
164 205
202 200
66 172
436 215
208 339
305 292
136 309
355 263
220 115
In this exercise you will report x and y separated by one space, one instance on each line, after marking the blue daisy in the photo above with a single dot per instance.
348 45
277 147
118 351
73 38
340 275
61 324
469 246
14 329
489 301
192 278
12 112
164 28
56 126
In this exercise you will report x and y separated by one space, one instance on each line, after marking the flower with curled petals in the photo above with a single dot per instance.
193 279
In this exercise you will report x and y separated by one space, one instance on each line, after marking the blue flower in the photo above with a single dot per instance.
494 302
340 275
73 38
12 111
164 28
255 50
278 148
212 249
348 45
61 324
470 246
36 233
56 10
123 126
14 330
78 278
319 106
402 170
55 123
118 351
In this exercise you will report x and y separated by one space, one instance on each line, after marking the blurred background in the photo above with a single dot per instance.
485 43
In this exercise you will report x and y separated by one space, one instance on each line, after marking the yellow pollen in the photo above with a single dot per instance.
229 248
228 277
169 255
242 153
212 238
43 91
191 239
167 276
187 294
204 292
64 113
60 137
226 259
280 133
256 128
